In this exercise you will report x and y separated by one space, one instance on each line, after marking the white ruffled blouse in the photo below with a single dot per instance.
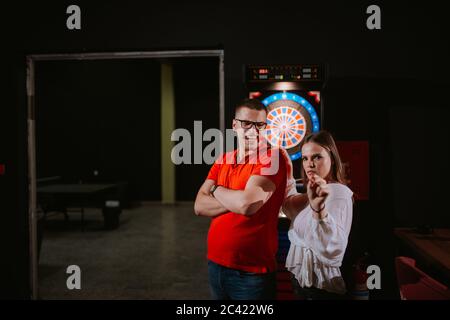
318 246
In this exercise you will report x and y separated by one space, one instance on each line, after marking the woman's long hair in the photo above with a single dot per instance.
326 141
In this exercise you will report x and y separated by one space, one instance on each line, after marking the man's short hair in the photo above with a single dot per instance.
253 104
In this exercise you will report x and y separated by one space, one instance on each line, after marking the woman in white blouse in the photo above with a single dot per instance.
320 221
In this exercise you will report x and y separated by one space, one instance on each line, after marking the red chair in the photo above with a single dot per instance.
414 284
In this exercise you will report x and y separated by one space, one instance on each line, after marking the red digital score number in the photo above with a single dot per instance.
263 71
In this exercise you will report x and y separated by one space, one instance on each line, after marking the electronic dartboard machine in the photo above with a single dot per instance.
292 96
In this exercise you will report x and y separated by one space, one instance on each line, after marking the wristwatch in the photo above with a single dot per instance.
213 188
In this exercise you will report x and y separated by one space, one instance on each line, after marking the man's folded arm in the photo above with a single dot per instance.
257 192
293 204
205 204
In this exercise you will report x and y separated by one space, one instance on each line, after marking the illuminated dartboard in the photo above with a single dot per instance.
290 118
285 127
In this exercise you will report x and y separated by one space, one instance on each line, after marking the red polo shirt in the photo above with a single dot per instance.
247 243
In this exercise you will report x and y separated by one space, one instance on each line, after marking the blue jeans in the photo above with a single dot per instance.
226 284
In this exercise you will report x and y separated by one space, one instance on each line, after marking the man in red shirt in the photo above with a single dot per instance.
243 194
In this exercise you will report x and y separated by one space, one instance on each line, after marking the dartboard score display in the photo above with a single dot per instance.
291 94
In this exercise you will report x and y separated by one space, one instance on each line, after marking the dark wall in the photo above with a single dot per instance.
105 116
100 116
420 130
368 70
196 82
14 240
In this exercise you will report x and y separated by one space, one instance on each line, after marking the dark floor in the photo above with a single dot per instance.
158 252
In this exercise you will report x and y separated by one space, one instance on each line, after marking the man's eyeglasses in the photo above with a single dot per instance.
246 124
